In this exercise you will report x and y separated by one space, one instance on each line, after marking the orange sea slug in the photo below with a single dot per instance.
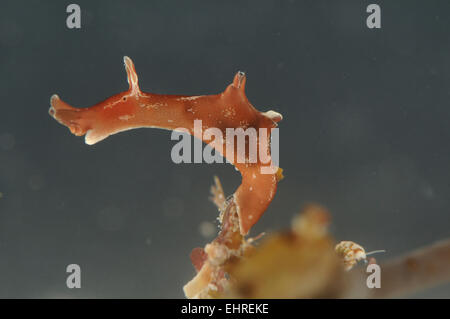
229 109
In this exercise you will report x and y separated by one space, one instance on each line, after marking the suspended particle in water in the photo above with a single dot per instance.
207 229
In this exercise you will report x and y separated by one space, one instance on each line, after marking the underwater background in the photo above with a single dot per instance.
365 133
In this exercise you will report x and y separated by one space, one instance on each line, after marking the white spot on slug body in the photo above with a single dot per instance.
126 117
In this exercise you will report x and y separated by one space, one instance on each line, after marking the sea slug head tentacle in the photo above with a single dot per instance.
237 87
240 80
73 118
113 115
131 75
